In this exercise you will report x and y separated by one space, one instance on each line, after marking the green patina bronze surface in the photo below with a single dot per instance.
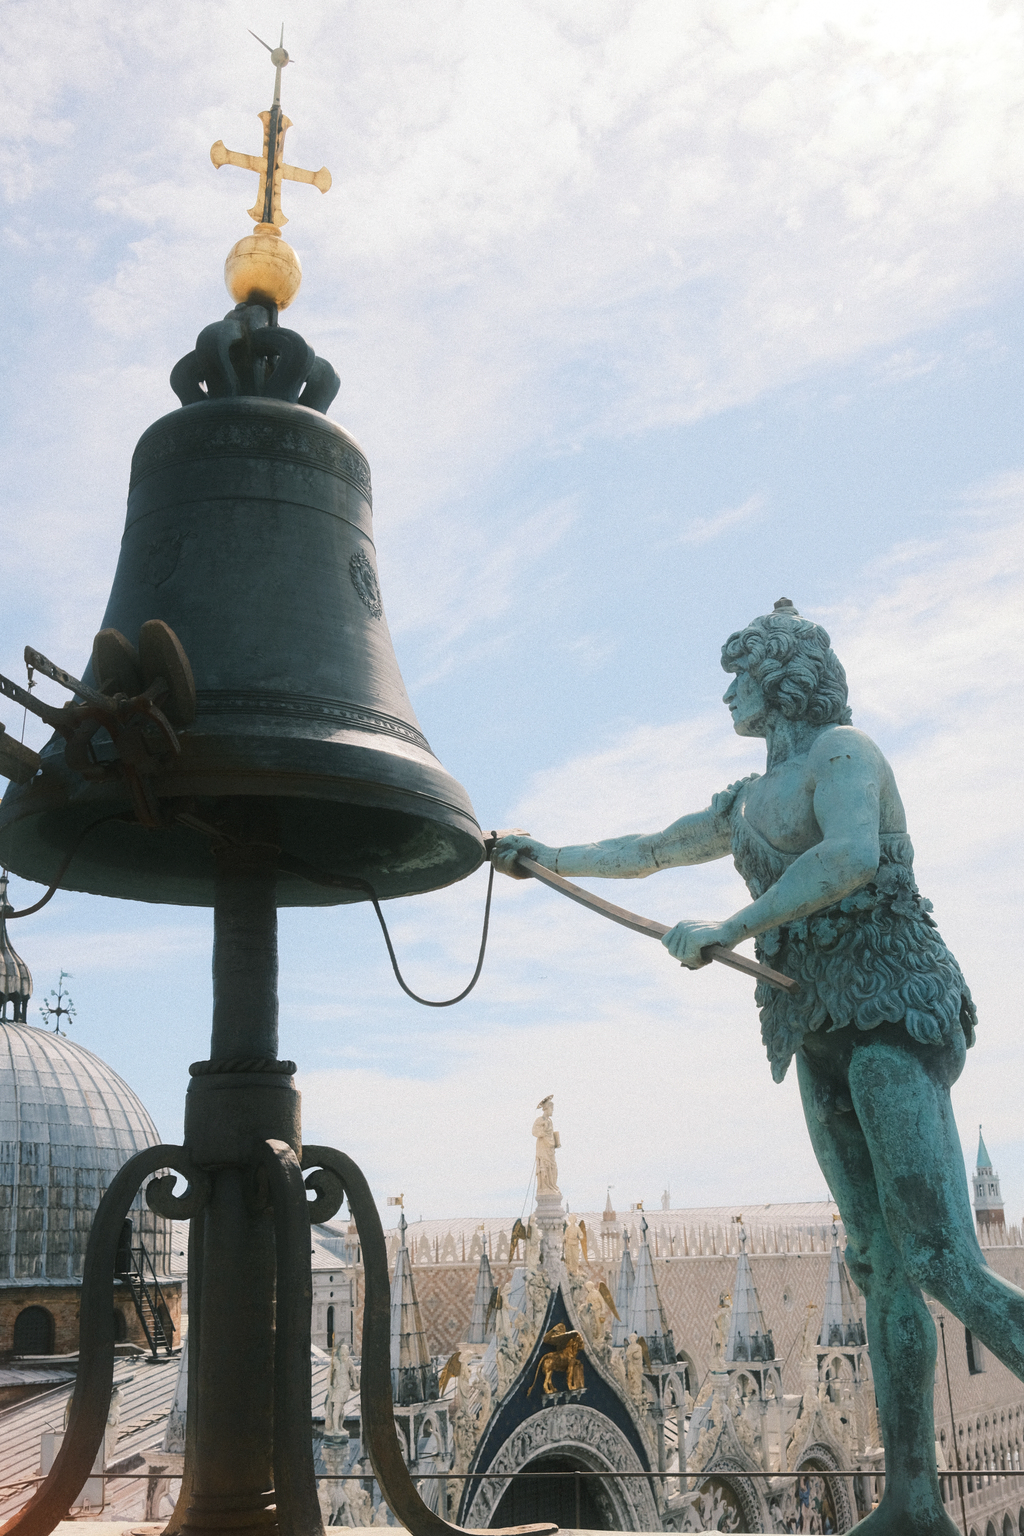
880 1025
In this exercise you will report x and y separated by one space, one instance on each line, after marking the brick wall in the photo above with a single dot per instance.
63 1303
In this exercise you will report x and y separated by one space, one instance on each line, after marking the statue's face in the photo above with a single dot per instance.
746 704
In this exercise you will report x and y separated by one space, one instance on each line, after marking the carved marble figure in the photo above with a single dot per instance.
634 1360
571 1245
478 1395
537 1293
510 1352
594 1315
879 1026
720 1327
340 1385
548 1142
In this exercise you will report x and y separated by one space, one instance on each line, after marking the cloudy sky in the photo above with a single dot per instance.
646 314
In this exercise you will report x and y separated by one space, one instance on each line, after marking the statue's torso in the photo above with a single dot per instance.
874 957
779 804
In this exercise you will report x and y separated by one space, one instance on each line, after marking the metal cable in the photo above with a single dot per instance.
316 876
62 871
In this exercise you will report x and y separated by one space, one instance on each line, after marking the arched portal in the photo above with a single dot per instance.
821 1497
567 1437
556 1490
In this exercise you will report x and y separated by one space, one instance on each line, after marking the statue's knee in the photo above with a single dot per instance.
858 1262
873 1262
927 1265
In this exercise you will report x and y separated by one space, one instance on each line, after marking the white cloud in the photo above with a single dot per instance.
701 530
543 224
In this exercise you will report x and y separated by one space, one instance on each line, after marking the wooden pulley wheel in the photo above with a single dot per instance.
161 654
115 664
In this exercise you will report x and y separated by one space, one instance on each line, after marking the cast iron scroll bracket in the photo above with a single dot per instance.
298 1510
248 353
88 1418
380 1439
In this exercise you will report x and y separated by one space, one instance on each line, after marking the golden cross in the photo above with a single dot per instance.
270 166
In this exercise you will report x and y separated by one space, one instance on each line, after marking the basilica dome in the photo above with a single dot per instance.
67 1124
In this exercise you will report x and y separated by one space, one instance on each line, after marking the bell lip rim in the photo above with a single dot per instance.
196 889
23 849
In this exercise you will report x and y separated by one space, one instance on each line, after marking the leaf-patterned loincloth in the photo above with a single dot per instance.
875 957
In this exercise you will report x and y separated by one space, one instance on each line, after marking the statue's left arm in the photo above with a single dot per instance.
847 791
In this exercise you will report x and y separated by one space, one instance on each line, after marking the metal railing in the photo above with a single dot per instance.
576 1474
694 1479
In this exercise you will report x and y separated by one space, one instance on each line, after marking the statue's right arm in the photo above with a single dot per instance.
694 839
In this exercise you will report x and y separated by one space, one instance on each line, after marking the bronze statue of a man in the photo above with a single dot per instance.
879 1026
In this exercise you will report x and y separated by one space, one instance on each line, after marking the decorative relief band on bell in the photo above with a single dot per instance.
202 436
304 706
364 579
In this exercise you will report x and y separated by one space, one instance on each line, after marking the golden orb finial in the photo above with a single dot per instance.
263 265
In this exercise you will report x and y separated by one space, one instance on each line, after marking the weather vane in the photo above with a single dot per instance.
59 1008
256 268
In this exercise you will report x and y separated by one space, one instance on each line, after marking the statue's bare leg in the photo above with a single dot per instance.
901 1093
901 1334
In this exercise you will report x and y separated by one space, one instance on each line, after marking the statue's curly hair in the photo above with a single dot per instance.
793 661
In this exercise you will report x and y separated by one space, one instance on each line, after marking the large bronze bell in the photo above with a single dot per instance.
249 534
241 739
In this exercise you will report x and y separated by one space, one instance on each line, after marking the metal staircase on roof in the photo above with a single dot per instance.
135 1267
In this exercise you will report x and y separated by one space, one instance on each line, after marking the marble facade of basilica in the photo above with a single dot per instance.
753 1345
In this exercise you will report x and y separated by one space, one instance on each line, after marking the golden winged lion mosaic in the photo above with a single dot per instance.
563 1360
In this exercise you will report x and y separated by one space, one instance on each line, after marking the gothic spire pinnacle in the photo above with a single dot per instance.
623 1292
840 1320
481 1324
413 1377
748 1338
646 1315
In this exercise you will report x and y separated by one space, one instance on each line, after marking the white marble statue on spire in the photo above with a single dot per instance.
342 1382
547 1143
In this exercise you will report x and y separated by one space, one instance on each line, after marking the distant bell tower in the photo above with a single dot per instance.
988 1202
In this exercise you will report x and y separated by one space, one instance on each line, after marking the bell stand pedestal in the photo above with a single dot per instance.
248 1451
237 1101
